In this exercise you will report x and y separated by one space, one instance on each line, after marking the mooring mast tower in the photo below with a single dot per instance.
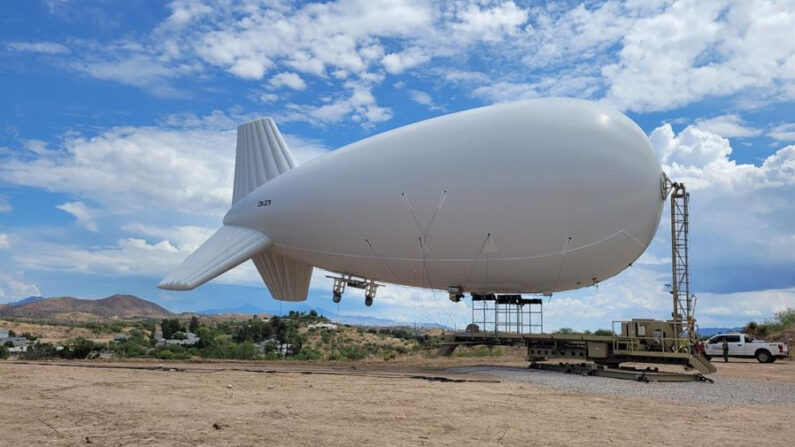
683 302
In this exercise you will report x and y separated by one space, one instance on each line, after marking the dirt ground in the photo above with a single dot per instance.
352 404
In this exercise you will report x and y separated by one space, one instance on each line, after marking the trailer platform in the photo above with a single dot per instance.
638 341
648 374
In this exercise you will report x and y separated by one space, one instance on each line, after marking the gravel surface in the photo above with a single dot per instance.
724 391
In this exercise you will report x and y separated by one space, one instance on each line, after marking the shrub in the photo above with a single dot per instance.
40 351
80 348
3 352
308 353
606 332
785 318
132 347
27 335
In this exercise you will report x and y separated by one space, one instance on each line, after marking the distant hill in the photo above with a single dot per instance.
121 306
710 331
30 299
242 309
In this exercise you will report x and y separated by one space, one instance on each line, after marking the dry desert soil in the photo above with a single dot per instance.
399 403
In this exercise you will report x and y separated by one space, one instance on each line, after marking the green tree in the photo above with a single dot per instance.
3 352
11 333
785 318
80 348
194 324
171 326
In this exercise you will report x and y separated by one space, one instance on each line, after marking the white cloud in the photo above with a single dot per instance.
701 159
38 47
396 63
4 241
139 70
36 146
286 79
741 213
737 308
188 165
360 106
313 38
268 97
130 256
490 24
85 216
727 126
132 169
13 287
423 98
783 132
185 11
693 50
185 238
639 56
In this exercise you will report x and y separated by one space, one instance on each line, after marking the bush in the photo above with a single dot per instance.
40 351
308 353
80 348
3 352
781 321
132 347
27 335
785 318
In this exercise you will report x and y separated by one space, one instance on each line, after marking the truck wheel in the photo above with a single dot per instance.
763 356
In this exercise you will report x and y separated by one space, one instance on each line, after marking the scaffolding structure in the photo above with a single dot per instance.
510 314
683 302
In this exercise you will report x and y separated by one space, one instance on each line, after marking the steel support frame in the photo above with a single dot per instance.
683 305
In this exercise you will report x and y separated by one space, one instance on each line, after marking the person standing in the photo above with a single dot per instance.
699 348
725 350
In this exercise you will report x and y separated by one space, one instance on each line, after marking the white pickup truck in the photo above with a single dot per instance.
741 345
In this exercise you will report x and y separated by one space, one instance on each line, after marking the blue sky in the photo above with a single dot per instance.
118 118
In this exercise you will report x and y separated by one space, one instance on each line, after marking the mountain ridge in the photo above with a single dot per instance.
114 306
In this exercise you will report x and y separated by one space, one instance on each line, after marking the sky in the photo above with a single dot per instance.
117 132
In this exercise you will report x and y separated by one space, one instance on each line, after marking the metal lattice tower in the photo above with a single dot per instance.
683 313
